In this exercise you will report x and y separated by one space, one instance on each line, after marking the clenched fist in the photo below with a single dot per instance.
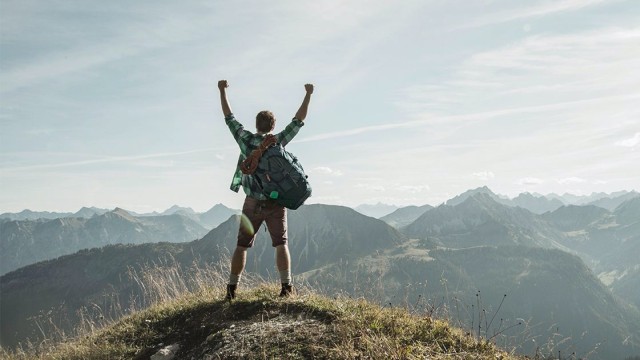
308 88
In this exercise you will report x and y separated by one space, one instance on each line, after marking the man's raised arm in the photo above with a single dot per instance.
222 86
302 112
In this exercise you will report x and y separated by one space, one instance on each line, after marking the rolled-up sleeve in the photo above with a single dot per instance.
289 132
237 130
234 126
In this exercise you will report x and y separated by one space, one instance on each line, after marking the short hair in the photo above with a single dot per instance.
265 121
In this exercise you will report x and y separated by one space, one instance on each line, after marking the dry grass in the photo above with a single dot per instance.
187 308
259 325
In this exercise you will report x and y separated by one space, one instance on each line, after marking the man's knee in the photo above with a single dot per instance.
281 247
240 248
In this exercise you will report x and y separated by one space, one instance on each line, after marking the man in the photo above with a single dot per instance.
257 208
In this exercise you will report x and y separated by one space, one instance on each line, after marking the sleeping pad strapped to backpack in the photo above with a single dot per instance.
278 173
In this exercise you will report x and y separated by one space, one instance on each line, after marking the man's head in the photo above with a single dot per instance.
265 121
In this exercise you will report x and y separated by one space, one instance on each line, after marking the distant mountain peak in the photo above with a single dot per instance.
377 210
482 199
218 207
122 213
465 195
175 208
405 215
88 212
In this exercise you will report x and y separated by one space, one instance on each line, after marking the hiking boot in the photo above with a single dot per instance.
231 292
287 290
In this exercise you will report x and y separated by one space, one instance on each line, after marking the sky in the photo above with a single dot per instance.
115 104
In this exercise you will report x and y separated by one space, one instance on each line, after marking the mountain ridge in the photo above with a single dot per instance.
478 219
25 242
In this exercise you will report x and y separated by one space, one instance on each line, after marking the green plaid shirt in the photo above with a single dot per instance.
249 141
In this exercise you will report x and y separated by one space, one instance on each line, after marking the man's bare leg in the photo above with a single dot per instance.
283 262
238 261
283 259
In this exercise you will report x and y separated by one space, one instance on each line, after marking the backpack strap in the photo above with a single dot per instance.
250 164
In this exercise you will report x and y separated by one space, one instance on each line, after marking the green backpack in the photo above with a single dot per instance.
278 174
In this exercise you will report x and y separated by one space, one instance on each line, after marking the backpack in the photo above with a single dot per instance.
278 174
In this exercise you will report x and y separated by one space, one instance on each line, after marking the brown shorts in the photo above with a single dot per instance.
254 212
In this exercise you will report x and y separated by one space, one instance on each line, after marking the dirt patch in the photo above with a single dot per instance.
246 330
285 336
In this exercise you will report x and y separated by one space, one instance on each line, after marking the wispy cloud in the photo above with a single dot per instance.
107 159
324 170
631 142
571 180
540 9
484 175
529 181
433 119
537 70
413 189
131 39
370 187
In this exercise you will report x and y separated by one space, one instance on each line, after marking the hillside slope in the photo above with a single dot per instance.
259 325
405 215
546 287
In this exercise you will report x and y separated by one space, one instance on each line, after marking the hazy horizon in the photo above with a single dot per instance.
416 102
202 210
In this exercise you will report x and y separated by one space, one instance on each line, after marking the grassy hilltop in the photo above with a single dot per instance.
258 325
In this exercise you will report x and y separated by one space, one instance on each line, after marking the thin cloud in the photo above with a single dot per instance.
413 189
537 69
432 119
327 171
132 40
546 8
631 142
371 187
484 175
571 180
529 181
107 159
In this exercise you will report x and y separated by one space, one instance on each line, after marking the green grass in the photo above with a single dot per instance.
259 325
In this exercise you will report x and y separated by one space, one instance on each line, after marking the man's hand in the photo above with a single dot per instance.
223 84
308 88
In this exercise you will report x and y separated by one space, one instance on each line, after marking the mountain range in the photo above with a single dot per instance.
536 203
571 271
209 219
24 242
85 212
